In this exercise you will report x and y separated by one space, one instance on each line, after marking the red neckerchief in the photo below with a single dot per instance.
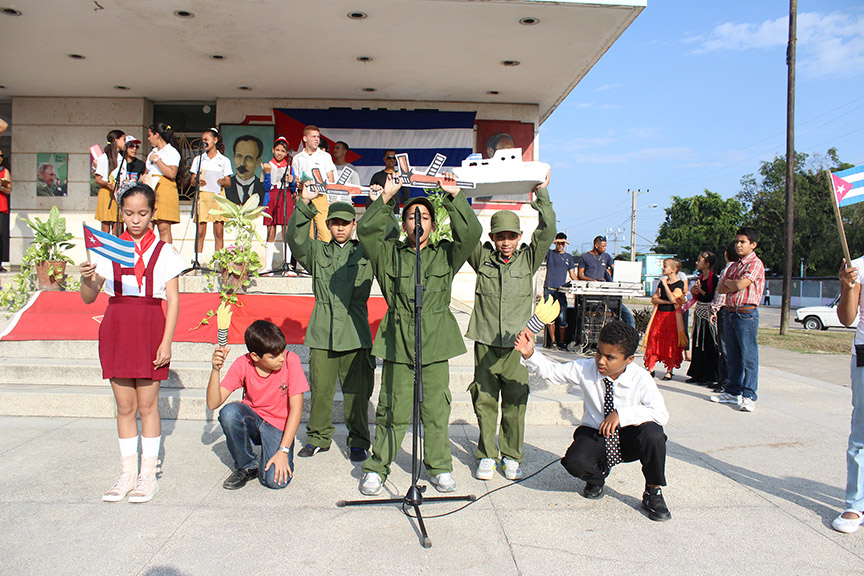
281 164
140 249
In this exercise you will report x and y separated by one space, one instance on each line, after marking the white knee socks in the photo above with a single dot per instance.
269 252
150 446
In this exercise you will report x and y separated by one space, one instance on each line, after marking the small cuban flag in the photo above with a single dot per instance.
120 251
848 186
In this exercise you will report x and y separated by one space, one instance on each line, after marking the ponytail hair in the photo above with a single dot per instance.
111 149
165 132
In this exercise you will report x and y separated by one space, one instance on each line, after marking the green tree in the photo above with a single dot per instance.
816 239
699 223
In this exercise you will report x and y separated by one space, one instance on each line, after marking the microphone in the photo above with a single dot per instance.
418 226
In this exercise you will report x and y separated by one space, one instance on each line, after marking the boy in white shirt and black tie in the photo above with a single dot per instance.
623 416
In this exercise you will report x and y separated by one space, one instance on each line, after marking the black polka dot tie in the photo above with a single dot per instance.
613 444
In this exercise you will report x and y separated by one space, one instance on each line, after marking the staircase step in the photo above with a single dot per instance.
543 409
186 375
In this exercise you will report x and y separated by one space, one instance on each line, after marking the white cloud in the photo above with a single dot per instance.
605 87
828 44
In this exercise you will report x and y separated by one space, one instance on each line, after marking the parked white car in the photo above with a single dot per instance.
820 317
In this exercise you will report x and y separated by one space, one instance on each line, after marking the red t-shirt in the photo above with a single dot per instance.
267 395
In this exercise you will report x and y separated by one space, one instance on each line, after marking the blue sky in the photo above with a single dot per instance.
693 96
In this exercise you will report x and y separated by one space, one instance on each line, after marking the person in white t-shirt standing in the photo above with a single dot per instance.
106 209
313 157
215 173
851 305
340 151
163 165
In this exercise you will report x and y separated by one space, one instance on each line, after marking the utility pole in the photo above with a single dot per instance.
615 233
633 194
790 169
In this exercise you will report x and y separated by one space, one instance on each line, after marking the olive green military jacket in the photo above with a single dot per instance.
504 290
341 281
393 263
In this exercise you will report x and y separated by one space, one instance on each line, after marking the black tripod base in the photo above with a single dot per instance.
196 267
414 498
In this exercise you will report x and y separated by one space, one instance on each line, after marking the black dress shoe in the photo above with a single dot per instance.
310 450
239 478
691 381
655 505
593 491
358 454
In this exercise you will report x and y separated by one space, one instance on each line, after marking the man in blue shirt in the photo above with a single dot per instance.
596 265
559 265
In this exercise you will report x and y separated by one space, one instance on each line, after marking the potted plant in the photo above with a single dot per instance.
43 266
237 262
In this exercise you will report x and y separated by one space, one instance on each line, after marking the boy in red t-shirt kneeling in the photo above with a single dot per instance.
273 384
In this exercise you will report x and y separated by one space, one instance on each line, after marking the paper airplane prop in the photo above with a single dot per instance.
430 179
503 174
544 313
120 251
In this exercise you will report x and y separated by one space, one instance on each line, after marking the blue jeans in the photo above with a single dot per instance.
627 316
855 453
721 345
243 428
562 301
742 360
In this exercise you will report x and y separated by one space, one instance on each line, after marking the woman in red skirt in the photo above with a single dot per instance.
135 339
666 337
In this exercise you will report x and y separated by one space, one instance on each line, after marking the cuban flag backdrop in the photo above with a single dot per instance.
419 133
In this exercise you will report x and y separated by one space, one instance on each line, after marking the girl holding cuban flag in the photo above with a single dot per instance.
135 338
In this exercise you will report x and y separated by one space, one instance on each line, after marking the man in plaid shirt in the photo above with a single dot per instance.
743 288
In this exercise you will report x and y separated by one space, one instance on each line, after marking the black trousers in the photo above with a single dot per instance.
586 456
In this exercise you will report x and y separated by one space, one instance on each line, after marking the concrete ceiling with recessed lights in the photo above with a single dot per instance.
440 50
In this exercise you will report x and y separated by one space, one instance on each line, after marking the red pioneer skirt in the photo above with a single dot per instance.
662 341
276 208
129 337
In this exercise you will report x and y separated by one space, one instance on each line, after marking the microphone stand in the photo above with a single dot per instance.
196 215
414 496
117 221
284 187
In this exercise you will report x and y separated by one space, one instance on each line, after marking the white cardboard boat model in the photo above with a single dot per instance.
505 174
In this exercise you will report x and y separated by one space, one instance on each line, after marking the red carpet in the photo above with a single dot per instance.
64 316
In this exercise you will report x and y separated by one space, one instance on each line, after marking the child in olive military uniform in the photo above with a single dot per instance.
393 261
502 306
338 335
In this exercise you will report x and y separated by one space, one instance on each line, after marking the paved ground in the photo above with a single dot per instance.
749 493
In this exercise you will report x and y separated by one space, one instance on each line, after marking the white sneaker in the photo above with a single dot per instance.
512 471
147 486
371 484
443 482
725 398
848 525
748 405
486 469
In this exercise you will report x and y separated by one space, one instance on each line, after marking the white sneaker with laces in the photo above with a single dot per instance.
371 484
848 525
726 398
748 405
486 469
443 482
512 471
